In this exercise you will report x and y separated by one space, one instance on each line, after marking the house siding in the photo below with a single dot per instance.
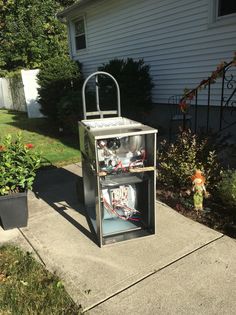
173 37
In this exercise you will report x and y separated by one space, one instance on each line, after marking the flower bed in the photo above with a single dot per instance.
176 183
214 215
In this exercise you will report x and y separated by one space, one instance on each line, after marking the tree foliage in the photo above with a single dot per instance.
30 33
58 77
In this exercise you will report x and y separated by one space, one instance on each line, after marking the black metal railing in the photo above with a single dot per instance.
229 83
224 79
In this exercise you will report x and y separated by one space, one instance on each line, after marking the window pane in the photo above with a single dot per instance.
80 42
226 7
79 27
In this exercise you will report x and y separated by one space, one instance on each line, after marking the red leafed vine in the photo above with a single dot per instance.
189 95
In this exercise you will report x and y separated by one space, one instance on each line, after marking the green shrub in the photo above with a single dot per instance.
135 86
18 165
57 78
227 188
177 162
70 109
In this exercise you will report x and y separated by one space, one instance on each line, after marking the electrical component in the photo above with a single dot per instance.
117 155
113 143
119 203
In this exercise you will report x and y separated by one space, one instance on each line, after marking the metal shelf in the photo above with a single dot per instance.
122 179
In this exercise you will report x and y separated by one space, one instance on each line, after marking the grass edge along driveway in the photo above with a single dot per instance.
26 287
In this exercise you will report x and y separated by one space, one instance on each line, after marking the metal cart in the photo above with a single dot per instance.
119 172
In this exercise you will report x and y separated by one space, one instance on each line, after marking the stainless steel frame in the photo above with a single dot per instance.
91 131
99 111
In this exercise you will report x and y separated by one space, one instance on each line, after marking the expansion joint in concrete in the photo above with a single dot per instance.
152 273
33 248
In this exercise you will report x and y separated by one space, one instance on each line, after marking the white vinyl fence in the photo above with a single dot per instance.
5 94
30 84
20 93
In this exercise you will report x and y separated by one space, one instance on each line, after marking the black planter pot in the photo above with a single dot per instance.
14 210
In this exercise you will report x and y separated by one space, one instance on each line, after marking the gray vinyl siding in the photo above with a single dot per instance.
172 36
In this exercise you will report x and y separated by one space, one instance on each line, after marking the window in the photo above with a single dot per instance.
226 7
80 40
221 12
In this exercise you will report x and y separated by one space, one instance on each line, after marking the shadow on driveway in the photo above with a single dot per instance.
62 190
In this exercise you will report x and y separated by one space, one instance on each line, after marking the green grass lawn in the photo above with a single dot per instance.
57 150
27 288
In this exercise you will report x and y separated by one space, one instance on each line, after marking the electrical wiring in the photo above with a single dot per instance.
116 204
119 155
136 163
113 210
120 165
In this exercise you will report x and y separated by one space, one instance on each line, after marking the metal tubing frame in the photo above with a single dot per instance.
99 111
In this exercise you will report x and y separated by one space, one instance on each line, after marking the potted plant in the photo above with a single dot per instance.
18 165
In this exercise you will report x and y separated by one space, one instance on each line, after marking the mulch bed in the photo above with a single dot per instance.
215 215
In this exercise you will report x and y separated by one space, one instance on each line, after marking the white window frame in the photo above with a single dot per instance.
75 51
214 19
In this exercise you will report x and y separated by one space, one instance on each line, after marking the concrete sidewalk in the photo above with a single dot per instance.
186 268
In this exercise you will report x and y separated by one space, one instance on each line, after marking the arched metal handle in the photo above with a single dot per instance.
99 111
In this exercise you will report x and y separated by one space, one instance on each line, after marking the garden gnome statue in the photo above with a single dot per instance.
198 181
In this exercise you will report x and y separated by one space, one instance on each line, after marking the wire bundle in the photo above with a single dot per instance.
119 206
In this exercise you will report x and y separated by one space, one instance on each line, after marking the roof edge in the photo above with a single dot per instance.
67 11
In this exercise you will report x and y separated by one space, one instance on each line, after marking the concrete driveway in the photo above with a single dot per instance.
186 268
